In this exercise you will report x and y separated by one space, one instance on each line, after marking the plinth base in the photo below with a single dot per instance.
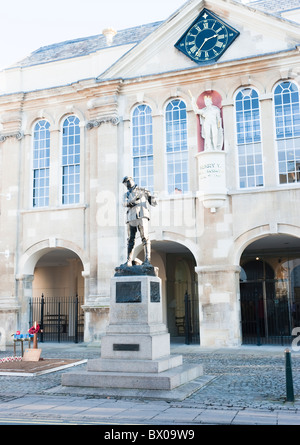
135 352
166 380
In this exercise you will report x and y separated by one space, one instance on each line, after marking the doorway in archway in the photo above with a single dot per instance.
176 265
58 296
270 290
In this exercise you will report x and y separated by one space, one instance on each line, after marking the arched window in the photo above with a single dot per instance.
287 124
71 161
142 146
249 144
176 147
41 164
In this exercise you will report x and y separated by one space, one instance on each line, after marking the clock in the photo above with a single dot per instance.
207 38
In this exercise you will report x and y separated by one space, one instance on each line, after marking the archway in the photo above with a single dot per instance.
58 295
176 265
269 287
58 273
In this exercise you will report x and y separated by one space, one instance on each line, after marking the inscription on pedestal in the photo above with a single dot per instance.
154 292
126 347
129 292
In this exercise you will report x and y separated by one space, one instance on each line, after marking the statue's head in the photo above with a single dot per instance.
128 181
207 100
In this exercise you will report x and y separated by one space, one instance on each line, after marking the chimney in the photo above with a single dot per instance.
109 33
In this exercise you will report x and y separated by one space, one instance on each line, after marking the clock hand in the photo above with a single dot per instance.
204 41
211 37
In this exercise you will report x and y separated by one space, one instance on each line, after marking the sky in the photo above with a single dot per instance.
27 25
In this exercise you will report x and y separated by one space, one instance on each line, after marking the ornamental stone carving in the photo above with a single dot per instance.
19 135
114 120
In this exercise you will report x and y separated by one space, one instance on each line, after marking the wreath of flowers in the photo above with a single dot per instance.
10 359
34 330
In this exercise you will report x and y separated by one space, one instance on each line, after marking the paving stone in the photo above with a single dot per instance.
244 385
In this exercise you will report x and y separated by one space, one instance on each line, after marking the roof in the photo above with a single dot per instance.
86 45
275 6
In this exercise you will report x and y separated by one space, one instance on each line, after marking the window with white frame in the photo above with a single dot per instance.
287 125
176 147
142 146
71 161
249 145
41 164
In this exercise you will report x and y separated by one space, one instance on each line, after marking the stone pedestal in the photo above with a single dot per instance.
212 178
135 352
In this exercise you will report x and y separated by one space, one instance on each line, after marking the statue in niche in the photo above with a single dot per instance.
137 200
211 124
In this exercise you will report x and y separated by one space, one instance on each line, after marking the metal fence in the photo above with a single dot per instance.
61 318
268 317
186 310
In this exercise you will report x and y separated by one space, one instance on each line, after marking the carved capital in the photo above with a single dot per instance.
114 120
18 135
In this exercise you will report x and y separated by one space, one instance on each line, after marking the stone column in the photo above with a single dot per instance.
158 150
268 141
102 221
55 193
24 297
232 172
9 310
219 299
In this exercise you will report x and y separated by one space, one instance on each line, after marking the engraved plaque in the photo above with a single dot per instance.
154 292
129 292
126 347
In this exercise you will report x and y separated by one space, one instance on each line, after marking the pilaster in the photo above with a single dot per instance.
219 305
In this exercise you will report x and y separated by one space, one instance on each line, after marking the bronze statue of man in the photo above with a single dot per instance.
137 200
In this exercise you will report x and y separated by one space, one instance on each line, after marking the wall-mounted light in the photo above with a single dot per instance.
5 253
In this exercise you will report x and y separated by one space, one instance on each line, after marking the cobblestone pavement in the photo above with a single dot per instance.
242 380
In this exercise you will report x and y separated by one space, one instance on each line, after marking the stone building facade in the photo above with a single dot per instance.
78 116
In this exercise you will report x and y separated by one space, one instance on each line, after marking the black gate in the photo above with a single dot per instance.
267 315
186 311
191 320
60 319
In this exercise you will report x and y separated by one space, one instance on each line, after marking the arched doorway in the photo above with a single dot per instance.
58 296
176 265
270 290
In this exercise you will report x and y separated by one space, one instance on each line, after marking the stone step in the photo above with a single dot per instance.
150 366
166 380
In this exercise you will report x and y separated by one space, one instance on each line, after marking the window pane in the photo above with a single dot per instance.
248 132
70 161
287 122
176 146
142 146
41 163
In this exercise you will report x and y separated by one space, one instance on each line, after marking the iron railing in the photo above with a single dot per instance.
268 316
61 318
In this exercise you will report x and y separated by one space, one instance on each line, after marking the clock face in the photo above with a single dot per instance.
207 38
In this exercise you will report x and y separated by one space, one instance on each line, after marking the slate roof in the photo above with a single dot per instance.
86 45
275 6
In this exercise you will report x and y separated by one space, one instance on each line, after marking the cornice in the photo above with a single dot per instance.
217 71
